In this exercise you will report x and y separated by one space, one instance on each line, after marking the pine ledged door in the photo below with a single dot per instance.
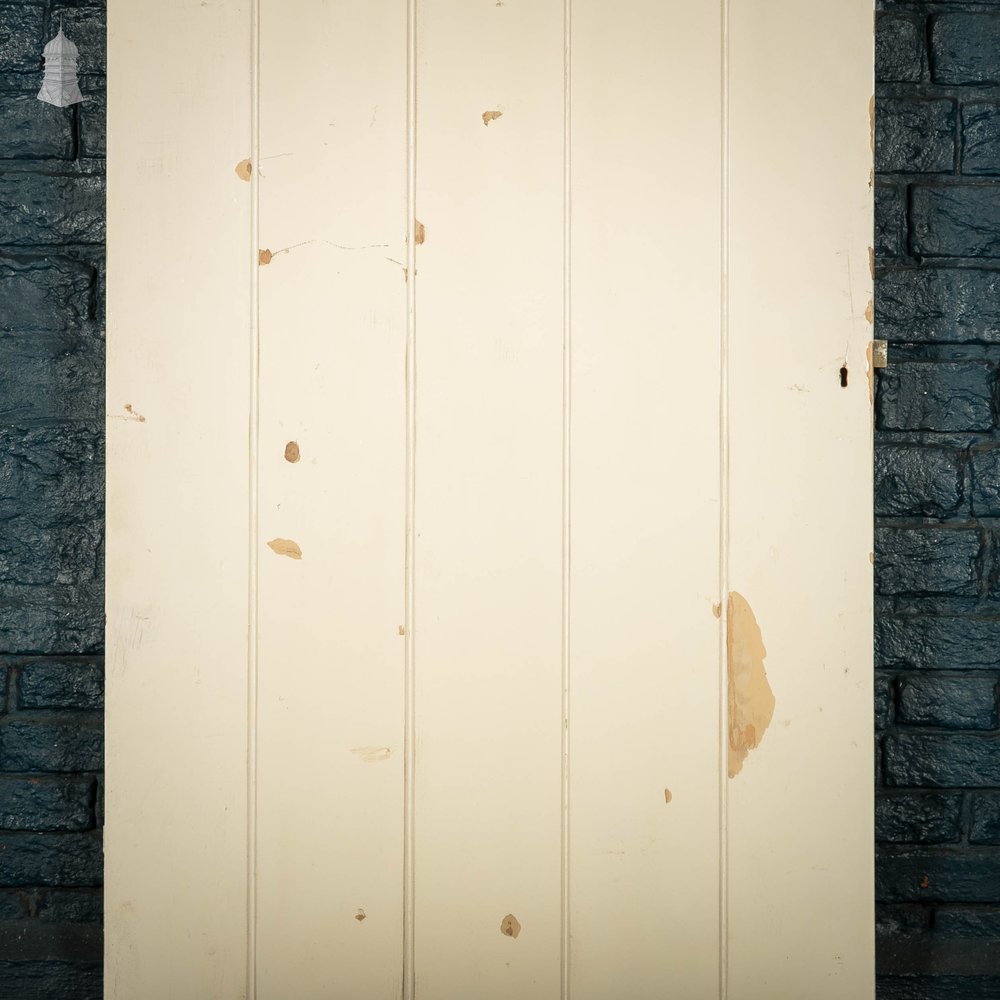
489 500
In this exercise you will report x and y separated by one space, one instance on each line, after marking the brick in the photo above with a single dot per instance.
903 874
955 701
890 206
69 742
914 135
32 129
92 116
938 305
936 987
58 378
52 980
984 827
901 918
43 209
45 803
944 396
21 37
918 818
913 481
899 49
967 921
985 493
62 859
53 475
61 684
924 760
88 30
65 554
981 137
73 906
44 294
51 620
921 643
955 220
965 48
15 904
926 561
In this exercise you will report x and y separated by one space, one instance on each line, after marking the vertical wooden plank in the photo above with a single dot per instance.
489 492
332 474
800 812
644 707
177 402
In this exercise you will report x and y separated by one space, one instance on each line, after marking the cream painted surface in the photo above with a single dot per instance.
177 406
488 505
800 817
332 332
496 767
644 649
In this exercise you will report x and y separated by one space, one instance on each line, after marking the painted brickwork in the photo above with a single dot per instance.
937 471
51 510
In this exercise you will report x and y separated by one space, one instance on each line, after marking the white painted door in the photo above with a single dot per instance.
489 585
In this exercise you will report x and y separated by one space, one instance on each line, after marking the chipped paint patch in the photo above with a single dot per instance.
372 755
510 926
285 547
360 915
292 453
717 610
132 415
871 122
491 116
402 630
264 257
870 311
244 169
871 262
751 701
419 232
870 372
667 796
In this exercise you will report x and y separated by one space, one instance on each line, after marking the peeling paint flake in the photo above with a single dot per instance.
491 116
285 547
292 453
751 701
244 169
264 257
419 232
132 415
510 926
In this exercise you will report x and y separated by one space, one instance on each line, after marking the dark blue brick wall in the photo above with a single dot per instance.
51 509
937 499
